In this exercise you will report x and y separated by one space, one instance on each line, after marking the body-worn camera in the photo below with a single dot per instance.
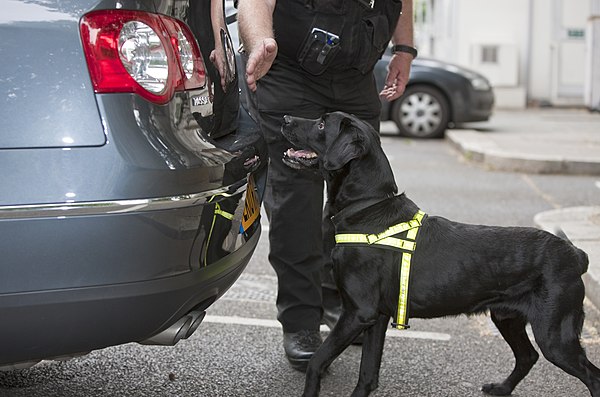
318 51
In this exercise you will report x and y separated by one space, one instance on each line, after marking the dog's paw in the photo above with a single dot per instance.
496 389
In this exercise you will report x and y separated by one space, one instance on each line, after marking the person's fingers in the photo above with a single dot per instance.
392 92
251 64
251 82
260 61
250 71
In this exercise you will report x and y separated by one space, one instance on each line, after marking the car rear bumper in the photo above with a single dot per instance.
45 324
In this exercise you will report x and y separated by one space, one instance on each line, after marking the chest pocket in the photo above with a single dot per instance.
373 35
364 41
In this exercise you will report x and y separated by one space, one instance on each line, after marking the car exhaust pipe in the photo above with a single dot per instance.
181 329
197 317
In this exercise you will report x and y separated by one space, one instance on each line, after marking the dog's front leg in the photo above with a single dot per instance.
372 350
345 331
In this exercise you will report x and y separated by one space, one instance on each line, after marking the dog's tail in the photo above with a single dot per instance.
582 258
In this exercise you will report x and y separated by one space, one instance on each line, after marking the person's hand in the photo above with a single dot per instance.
259 61
217 57
397 77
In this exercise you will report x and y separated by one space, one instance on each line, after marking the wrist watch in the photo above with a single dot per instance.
404 48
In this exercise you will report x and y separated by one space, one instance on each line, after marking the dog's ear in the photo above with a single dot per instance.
348 145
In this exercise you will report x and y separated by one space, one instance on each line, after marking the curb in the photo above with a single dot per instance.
582 227
478 147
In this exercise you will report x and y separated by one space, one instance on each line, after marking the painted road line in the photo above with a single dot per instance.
258 322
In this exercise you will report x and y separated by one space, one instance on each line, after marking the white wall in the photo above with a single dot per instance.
464 27
540 71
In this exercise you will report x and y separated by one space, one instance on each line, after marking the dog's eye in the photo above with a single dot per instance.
321 125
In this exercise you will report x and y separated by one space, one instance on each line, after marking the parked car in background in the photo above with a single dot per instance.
437 94
131 178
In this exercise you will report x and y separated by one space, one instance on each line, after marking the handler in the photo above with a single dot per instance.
314 57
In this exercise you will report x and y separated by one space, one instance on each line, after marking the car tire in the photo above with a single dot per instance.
422 112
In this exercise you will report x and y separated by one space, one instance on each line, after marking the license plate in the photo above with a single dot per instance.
251 206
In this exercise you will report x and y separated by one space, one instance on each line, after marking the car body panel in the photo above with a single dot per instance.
118 235
36 85
138 161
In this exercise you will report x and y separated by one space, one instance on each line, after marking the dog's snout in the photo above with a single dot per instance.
287 126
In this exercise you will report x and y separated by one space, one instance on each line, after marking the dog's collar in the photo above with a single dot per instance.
357 207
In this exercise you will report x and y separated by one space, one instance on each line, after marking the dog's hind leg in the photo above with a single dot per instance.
341 336
512 328
557 333
372 350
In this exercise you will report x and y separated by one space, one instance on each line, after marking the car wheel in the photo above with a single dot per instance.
421 112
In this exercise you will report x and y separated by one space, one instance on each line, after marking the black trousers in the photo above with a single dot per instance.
299 248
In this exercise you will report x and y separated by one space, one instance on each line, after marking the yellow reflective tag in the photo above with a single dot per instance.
251 206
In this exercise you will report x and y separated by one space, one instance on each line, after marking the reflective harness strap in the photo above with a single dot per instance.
224 214
217 211
407 245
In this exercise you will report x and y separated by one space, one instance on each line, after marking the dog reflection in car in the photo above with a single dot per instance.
390 258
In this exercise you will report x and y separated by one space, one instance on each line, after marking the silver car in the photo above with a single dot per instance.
131 177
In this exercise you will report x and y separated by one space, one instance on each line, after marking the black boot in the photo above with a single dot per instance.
300 346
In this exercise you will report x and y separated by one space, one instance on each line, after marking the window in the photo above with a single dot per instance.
489 54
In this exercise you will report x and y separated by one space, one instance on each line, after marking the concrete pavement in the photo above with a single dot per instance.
551 141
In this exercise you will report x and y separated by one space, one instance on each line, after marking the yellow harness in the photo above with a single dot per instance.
218 211
407 245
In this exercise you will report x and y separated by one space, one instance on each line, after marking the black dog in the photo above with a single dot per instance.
521 275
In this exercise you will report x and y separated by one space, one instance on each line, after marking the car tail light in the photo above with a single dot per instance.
148 54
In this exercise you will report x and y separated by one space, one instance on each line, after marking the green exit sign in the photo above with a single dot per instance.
575 33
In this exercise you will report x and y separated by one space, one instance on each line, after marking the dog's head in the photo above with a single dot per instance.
333 140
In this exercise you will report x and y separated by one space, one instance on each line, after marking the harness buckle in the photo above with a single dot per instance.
399 326
372 238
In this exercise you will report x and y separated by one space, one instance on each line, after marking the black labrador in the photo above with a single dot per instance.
520 275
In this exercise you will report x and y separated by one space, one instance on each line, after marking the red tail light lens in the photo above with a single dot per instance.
148 54
144 56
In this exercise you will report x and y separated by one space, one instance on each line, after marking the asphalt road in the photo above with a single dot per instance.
237 351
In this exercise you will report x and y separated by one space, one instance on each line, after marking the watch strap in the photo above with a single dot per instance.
404 48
